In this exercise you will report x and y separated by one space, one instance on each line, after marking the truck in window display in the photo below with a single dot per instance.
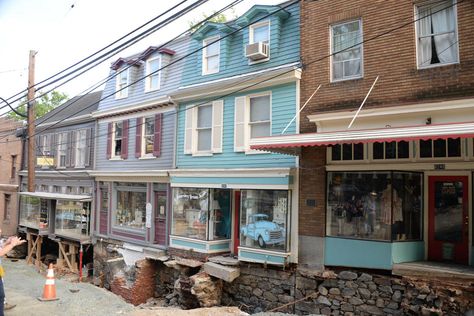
263 231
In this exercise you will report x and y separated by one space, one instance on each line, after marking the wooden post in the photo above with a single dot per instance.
31 122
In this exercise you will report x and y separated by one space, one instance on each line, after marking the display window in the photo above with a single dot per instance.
203 214
72 219
264 219
130 205
375 205
30 215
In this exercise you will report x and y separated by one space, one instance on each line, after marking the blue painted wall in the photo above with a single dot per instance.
284 48
408 251
283 110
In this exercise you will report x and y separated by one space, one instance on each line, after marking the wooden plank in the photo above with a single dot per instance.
38 251
61 249
31 248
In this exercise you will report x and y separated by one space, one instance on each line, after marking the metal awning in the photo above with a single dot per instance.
58 196
290 144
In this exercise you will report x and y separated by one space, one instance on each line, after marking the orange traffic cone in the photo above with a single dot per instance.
49 290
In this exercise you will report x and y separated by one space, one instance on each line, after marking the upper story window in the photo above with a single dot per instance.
117 142
259 119
81 148
259 32
347 152
204 128
437 42
45 143
148 135
211 56
62 150
121 86
153 76
346 50
391 150
440 148
13 168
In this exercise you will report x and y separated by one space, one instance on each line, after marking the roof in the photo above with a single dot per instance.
72 109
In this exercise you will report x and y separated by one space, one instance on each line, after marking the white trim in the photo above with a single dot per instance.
205 243
247 123
58 196
148 88
122 93
234 186
251 40
205 42
237 172
166 100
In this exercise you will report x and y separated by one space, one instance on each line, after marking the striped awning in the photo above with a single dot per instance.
290 143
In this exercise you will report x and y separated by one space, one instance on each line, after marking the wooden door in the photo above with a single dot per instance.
448 219
236 222
160 217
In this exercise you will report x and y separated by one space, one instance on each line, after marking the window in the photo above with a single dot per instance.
346 50
13 167
437 42
117 144
153 76
7 205
56 189
440 148
391 150
210 56
81 149
30 215
121 84
204 128
45 141
62 150
375 205
68 189
72 219
264 219
259 121
347 152
44 188
259 32
148 135
131 202
203 214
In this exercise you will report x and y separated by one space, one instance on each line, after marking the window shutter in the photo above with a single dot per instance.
188 133
239 124
124 139
88 147
158 135
217 118
73 147
138 137
109 141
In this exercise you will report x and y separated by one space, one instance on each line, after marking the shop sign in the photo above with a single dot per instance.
45 161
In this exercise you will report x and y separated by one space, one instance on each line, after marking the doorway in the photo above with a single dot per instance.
448 219
160 217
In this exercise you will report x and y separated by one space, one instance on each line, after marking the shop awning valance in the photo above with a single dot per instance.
58 196
290 143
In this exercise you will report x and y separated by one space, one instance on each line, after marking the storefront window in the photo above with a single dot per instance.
264 219
72 218
203 214
347 152
30 211
374 205
131 202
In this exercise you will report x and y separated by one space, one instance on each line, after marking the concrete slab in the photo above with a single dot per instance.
225 273
226 261
153 253
188 262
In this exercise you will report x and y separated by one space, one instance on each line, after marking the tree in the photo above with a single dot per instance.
220 18
45 104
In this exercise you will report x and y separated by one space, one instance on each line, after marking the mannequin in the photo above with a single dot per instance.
398 216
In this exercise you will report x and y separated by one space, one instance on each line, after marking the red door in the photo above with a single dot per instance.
448 228
160 218
236 222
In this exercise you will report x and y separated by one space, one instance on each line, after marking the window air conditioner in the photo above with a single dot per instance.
256 51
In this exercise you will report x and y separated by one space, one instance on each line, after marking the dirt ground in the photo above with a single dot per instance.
23 286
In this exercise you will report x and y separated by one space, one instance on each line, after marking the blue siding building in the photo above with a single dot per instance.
243 84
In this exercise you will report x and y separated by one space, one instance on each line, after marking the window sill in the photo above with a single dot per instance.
116 158
203 154
346 79
209 73
434 66
146 157
256 62
80 167
152 90
121 97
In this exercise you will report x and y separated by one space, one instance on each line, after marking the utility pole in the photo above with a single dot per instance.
31 122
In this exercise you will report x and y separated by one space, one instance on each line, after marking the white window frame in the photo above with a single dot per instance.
118 84
143 141
331 59
205 42
248 124
112 153
46 145
80 150
148 80
62 149
196 151
257 25
419 63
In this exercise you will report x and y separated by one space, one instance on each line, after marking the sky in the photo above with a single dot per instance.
63 32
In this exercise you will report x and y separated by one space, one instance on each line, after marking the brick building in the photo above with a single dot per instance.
10 159
395 186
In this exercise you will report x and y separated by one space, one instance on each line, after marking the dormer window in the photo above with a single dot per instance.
153 76
258 48
121 86
260 32
210 56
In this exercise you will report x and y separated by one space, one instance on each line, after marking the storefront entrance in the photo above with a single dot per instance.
448 229
160 217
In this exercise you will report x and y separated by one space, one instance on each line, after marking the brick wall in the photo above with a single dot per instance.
392 57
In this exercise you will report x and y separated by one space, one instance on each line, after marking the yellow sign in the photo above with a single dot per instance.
45 161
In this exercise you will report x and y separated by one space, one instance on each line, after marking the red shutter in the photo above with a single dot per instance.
157 137
138 137
124 139
109 141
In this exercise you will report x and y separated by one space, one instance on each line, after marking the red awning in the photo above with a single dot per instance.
283 143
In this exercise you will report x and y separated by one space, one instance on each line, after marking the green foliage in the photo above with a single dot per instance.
43 105
220 18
